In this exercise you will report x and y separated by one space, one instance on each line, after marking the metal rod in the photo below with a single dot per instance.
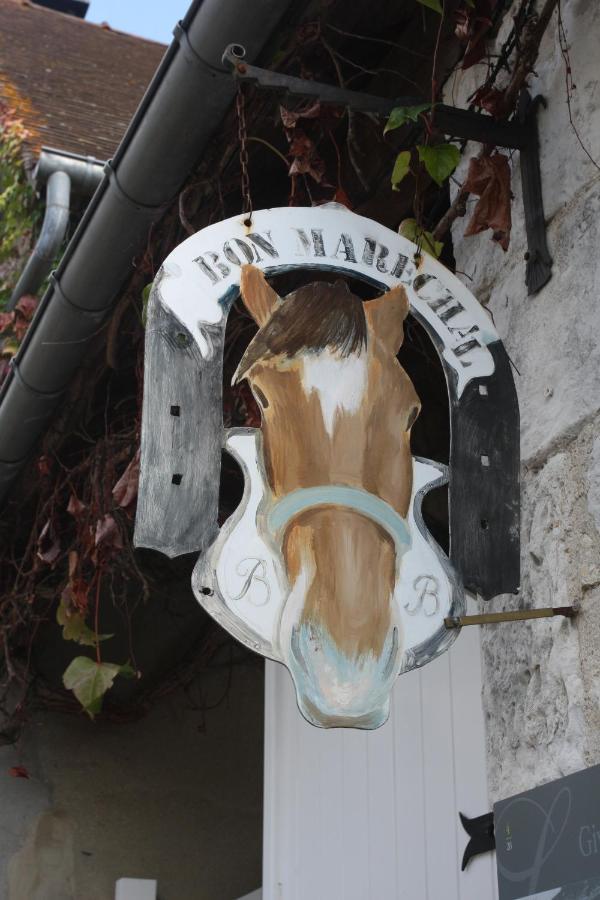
459 123
510 615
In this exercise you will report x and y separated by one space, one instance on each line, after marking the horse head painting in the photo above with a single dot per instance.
337 409
327 564
335 468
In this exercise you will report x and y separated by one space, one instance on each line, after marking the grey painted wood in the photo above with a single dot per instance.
181 436
484 482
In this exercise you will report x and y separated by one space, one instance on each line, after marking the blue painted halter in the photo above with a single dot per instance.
360 501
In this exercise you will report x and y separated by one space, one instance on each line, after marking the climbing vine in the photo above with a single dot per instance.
69 562
18 214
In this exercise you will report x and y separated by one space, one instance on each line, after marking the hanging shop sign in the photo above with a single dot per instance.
548 840
327 564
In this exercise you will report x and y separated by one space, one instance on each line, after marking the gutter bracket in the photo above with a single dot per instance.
519 133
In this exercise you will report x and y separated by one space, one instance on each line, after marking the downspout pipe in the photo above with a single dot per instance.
63 173
179 114
54 228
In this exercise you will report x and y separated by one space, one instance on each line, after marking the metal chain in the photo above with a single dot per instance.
240 105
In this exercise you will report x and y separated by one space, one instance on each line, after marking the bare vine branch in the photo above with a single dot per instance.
528 49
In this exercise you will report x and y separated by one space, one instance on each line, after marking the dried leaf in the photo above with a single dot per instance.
108 536
401 168
400 115
126 489
440 160
18 772
306 160
291 117
75 507
90 680
9 347
489 178
48 549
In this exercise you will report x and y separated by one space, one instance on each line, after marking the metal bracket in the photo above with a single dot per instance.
519 133
511 615
481 834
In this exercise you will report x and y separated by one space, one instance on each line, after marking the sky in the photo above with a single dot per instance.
153 19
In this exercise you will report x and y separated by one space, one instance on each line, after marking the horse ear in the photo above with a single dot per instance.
386 315
259 298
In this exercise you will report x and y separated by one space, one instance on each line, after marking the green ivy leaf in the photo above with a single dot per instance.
75 628
400 115
435 5
90 680
439 160
410 230
401 168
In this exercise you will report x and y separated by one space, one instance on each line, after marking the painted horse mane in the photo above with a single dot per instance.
314 317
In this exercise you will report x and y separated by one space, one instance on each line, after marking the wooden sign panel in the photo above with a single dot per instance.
327 564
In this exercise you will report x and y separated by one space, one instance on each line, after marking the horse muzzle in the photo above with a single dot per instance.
335 690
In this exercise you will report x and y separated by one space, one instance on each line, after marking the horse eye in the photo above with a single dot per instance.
412 417
260 397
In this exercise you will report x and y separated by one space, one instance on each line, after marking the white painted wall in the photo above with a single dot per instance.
353 815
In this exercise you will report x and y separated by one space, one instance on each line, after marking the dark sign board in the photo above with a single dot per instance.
548 840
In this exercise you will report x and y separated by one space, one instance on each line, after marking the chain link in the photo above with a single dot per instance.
240 105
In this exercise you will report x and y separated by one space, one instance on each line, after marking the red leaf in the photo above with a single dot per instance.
75 507
44 466
6 320
4 369
126 488
472 26
25 309
489 179
492 100
27 305
18 772
342 197
108 536
48 544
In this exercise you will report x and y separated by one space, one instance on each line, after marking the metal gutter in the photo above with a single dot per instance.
181 110
62 173
85 172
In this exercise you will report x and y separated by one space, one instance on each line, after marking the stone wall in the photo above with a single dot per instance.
542 680
175 796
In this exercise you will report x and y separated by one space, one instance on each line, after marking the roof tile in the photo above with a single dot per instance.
74 84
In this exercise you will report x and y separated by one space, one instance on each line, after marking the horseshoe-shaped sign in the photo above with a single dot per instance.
327 564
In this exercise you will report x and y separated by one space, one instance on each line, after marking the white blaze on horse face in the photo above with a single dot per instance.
332 687
340 382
